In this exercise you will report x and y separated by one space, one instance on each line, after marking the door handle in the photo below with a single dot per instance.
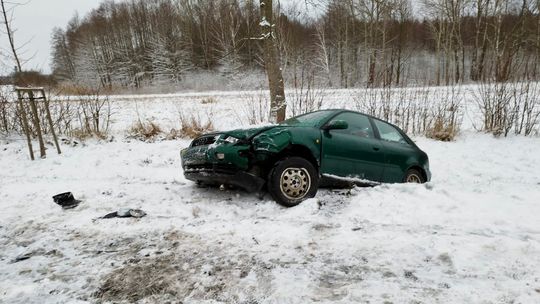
376 148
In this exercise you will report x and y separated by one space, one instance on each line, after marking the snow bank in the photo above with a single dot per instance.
472 235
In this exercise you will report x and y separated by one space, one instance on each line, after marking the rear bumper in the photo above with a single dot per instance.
226 176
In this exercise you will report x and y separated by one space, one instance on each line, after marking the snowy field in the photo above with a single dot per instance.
472 235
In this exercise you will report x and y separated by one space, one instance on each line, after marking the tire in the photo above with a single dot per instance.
414 176
292 180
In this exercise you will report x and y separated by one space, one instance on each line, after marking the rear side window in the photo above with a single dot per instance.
359 125
389 133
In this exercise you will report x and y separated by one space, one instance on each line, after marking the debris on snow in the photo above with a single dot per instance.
66 200
22 257
125 212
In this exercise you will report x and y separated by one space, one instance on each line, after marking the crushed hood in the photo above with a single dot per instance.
249 133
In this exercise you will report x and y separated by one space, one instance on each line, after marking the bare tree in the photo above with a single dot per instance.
9 32
480 39
322 55
22 110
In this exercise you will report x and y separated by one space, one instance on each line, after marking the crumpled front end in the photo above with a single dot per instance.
219 158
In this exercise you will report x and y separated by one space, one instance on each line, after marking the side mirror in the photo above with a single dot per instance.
337 125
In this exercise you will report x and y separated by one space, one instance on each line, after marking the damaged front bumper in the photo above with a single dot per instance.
220 175
212 160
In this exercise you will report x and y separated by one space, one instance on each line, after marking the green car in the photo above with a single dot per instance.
296 157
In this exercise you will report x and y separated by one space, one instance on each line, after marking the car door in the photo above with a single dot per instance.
352 152
397 152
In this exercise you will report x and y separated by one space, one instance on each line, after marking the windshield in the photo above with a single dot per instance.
313 119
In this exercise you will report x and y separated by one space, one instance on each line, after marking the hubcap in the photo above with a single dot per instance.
295 183
413 178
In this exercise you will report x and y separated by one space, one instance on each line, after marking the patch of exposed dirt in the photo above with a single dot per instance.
192 270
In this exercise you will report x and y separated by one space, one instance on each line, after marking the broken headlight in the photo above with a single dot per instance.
231 140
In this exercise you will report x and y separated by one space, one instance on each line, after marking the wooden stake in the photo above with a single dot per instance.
51 125
24 123
35 113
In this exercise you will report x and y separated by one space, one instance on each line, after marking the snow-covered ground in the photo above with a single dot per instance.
472 235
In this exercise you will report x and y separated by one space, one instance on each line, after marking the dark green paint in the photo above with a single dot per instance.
336 146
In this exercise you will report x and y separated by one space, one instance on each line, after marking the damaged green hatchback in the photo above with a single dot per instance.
294 158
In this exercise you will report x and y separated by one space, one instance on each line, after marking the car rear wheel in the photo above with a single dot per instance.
414 176
292 180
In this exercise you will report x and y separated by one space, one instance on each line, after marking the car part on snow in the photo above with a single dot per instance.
22 257
66 200
125 212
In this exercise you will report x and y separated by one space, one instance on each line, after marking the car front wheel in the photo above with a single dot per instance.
414 176
292 180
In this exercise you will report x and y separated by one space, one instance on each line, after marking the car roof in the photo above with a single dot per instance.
337 111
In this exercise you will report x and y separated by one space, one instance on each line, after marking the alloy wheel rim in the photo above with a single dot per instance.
295 183
413 178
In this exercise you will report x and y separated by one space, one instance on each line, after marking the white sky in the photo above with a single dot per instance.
34 22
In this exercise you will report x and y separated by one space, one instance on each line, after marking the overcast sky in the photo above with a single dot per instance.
34 22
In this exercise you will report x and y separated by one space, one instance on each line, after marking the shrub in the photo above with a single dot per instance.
434 112
145 131
255 109
193 126
208 100
442 130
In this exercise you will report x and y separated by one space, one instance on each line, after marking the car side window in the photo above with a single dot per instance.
389 133
359 125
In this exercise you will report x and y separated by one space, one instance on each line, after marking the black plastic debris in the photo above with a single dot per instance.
136 213
21 257
66 200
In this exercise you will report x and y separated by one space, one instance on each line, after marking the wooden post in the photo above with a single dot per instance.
51 125
37 125
24 123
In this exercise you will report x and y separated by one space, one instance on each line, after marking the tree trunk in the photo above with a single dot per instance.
278 106
10 37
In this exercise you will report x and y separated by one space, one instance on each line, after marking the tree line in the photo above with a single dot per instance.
350 43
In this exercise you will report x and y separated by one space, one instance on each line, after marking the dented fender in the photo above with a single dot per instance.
272 141
275 140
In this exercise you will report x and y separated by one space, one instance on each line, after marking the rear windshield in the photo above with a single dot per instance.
313 119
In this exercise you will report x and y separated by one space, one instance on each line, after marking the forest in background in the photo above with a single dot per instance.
350 43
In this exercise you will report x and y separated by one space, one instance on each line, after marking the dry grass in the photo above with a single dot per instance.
84 134
77 90
209 100
173 134
145 131
442 130
192 126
